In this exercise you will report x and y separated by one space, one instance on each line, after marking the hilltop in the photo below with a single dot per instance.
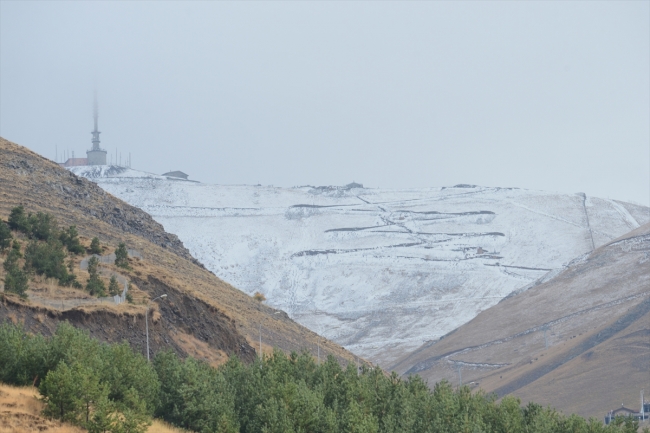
202 316
379 271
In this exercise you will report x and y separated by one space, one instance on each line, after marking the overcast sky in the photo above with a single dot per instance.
542 95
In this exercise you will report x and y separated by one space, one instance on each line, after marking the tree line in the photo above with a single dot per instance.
108 387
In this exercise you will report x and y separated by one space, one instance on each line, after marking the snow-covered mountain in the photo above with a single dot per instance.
379 271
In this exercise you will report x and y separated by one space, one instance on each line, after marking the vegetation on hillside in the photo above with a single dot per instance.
122 256
106 387
49 252
95 247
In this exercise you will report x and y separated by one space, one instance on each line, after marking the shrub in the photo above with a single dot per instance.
15 278
47 258
16 281
95 247
70 238
122 256
5 236
42 226
18 220
259 297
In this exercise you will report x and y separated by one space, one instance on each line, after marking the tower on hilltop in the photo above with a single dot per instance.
96 155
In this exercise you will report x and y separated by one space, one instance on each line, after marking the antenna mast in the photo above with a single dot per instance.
96 132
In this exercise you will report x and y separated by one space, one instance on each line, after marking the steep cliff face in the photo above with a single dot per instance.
202 316
183 324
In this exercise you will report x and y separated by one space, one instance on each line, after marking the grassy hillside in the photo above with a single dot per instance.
596 317
202 316
21 412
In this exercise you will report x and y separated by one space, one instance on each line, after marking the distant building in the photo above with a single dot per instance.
641 415
74 162
353 185
621 411
178 174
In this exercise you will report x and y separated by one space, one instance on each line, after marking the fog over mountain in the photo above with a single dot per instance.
549 96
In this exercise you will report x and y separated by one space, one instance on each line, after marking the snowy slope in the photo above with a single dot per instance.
378 271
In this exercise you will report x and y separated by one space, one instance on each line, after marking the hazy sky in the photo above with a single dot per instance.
543 95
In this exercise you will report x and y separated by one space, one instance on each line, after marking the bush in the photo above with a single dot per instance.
48 259
42 226
18 220
259 297
70 238
16 280
5 236
122 256
95 247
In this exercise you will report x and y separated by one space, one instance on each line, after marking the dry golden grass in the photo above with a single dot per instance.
199 349
20 412
162 427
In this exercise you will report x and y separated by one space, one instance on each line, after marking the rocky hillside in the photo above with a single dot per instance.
202 315
579 342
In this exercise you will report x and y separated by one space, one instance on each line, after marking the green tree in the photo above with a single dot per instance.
48 259
105 417
113 286
23 356
5 236
123 369
18 220
42 226
95 286
16 280
59 392
70 238
122 256
135 418
95 247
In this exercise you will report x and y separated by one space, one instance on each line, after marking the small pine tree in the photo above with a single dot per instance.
95 247
113 287
15 278
16 281
15 246
42 226
70 238
95 286
122 256
18 220
5 236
